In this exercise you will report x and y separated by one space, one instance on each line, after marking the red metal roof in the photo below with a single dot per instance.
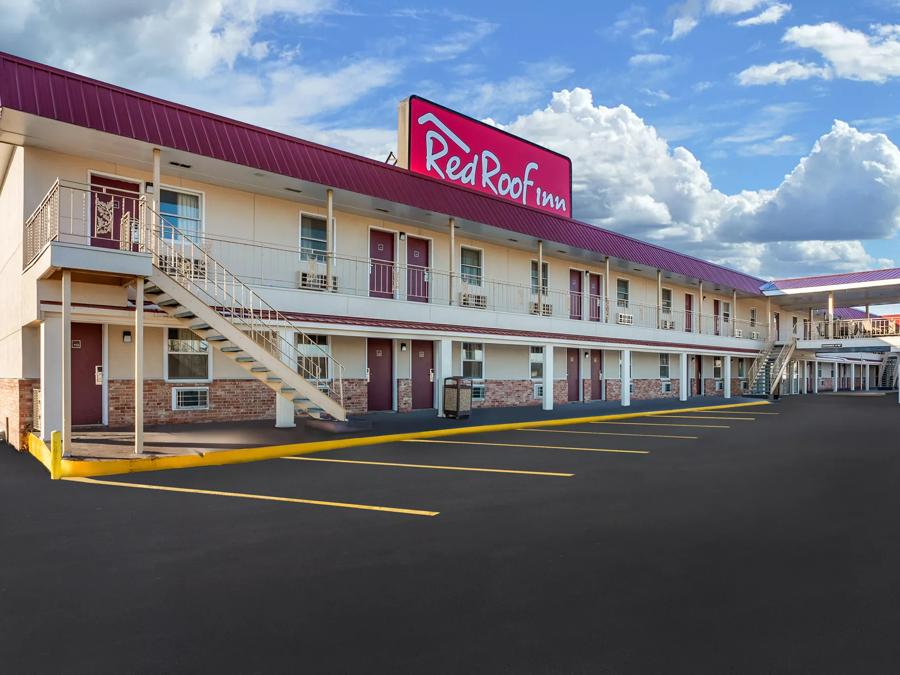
55 94
835 279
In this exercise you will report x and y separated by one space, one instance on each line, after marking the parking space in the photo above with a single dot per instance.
632 545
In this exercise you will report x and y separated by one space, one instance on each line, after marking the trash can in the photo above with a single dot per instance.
457 397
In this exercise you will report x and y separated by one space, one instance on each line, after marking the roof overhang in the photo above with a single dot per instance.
881 292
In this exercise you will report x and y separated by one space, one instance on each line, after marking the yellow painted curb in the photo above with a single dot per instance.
85 468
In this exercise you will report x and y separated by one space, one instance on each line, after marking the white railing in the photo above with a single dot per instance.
780 365
79 214
850 329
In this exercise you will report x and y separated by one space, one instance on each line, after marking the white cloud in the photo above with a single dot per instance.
772 14
641 60
782 72
627 177
702 86
732 6
683 25
854 55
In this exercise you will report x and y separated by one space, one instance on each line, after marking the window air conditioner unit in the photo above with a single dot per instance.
719 385
538 390
472 300
666 386
625 319
667 324
754 335
738 333
745 385
315 282
546 308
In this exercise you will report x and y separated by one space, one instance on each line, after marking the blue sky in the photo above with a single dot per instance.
683 119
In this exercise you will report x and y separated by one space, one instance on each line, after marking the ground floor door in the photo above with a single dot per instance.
572 373
422 374
698 376
87 373
596 374
380 368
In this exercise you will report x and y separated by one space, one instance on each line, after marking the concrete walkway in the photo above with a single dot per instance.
203 438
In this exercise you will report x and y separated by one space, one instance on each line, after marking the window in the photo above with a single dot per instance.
664 366
726 312
187 356
313 238
470 266
473 360
312 361
190 399
717 369
622 292
545 269
536 363
667 300
753 317
794 324
180 211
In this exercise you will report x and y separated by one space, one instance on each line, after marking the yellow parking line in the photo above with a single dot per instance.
244 495
610 433
661 424
520 445
701 417
434 466
731 412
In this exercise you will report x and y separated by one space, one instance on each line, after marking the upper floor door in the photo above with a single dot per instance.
381 265
575 294
114 204
717 320
595 285
417 264
688 312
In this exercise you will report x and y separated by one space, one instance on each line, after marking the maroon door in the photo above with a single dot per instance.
422 374
689 312
716 316
575 304
572 373
87 364
112 202
596 374
417 265
594 286
777 318
381 273
381 374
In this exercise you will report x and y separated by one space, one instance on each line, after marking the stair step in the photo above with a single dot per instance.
152 289
168 302
215 338
301 399
287 390
185 314
245 359
274 379
259 369
200 326
231 350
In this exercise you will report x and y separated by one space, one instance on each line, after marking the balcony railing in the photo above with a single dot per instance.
851 329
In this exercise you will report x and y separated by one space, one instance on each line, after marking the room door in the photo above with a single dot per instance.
572 373
87 373
113 202
381 266
698 375
417 264
596 374
689 313
380 368
595 284
716 319
575 294
422 374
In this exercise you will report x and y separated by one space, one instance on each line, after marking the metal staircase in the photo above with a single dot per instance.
758 377
769 368
889 371
196 290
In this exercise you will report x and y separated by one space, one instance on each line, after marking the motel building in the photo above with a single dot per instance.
161 264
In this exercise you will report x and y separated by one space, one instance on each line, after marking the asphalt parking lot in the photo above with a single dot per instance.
761 540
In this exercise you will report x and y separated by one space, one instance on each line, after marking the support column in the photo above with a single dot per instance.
625 377
329 240
683 380
139 365
726 362
540 280
769 322
285 411
547 400
868 368
51 366
606 290
815 377
452 261
831 315
812 333
586 296
852 377
659 299
444 368
804 373
835 375
154 213
65 373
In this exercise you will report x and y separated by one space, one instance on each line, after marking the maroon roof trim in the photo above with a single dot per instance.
66 97
890 274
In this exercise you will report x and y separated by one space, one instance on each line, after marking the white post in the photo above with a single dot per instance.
285 411
329 241
835 375
852 377
444 367
831 315
452 266
868 368
625 377
683 384
727 368
606 290
658 299
547 399
586 296
804 373
154 217
65 374
139 365
51 366
815 377
540 280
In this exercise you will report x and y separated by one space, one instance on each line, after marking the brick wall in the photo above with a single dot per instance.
356 396
586 390
652 388
228 400
507 393
709 387
826 384
404 394
614 390
560 391
16 407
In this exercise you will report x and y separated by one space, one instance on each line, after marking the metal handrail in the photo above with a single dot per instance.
759 362
780 364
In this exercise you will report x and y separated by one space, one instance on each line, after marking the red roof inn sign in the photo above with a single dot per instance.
449 146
